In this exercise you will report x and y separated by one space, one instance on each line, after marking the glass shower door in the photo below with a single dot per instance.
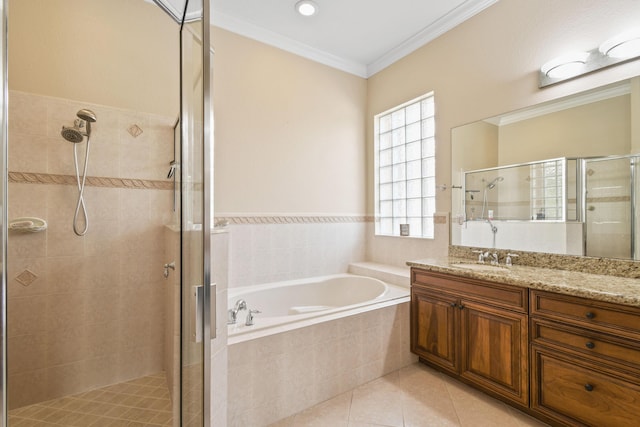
195 168
608 207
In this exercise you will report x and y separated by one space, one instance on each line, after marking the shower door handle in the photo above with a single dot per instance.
197 315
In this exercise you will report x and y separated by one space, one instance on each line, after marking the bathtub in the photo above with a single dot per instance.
294 304
315 339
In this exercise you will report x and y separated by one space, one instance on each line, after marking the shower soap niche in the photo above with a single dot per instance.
28 224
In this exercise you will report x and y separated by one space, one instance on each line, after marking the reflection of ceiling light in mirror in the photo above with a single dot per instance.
306 8
565 66
625 45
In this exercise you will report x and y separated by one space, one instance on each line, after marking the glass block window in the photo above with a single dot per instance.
405 183
546 190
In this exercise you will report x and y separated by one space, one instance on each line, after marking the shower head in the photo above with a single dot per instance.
75 134
493 183
87 115
72 134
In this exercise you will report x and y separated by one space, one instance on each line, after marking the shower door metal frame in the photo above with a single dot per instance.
4 218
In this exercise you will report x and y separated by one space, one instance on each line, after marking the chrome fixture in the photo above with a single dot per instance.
172 266
509 260
76 134
493 183
621 48
494 258
172 169
233 312
249 321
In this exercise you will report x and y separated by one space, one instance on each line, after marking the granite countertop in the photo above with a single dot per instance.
620 290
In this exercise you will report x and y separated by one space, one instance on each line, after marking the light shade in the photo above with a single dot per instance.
566 65
306 8
625 45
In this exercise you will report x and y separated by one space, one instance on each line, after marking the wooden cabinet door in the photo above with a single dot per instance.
494 347
434 327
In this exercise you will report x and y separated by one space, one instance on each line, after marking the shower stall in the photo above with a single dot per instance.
612 221
105 316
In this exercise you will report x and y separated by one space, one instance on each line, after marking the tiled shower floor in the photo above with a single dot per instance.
142 402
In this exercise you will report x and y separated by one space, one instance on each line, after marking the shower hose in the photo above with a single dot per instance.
81 181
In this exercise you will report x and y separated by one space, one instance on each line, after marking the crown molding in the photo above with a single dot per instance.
271 38
434 30
612 91
447 22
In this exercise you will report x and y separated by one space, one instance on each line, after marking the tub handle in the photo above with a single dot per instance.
249 321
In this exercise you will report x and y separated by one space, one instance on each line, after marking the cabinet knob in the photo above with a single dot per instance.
589 344
454 305
461 306
588 387
590 315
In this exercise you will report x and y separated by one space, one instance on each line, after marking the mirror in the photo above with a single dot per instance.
583 140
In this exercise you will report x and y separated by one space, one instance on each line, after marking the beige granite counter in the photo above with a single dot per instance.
620 290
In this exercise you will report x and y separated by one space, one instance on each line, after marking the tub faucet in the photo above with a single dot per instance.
249 321
232 314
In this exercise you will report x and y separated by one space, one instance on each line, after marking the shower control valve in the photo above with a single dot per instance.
171 265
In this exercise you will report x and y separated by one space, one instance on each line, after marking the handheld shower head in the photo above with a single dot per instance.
75 134
493 183
87 115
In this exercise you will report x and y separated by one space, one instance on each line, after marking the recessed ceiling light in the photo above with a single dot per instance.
306 8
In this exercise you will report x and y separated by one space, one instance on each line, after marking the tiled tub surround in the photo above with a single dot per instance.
265 249
85 312
273 377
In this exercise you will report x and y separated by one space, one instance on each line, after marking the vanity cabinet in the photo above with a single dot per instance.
585 360
474 330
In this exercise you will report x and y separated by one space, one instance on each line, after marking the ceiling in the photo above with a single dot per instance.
360 37
357 36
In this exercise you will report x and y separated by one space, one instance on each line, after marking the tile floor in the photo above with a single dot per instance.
142 402
415 396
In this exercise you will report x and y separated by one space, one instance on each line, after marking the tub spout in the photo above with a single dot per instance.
232 315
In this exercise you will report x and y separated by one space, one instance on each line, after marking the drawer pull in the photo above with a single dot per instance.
589 344
588 387
454 305
461 307
590 315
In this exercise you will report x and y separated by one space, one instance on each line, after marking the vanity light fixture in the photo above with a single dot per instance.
625 45
565 66
622 48
306 8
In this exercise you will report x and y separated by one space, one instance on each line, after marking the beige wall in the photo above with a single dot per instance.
122 53
598 129
289 132
488 66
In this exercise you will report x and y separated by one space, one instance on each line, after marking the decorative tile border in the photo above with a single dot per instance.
300 219
93 181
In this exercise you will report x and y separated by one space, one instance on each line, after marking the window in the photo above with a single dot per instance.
546 190
405 169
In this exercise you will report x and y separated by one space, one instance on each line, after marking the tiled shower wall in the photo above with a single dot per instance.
266 249
84 312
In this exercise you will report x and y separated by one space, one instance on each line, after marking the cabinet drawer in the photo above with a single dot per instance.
572 391
598 346
507 296
602 316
